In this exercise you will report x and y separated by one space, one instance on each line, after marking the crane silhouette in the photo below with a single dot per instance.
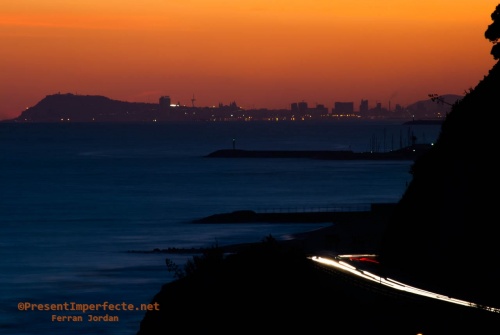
193 100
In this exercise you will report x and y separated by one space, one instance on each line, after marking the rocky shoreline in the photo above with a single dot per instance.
352 231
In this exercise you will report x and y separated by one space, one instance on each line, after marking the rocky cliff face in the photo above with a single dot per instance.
444 231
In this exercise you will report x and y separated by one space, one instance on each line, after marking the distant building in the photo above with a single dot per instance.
300 110
363 106
320 111
165 103
303 107
343 109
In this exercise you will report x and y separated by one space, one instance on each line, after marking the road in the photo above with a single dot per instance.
376 282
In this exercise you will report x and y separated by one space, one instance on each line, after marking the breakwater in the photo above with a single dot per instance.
406 153
376 211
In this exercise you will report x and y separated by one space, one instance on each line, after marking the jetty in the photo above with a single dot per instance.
340 214
407 153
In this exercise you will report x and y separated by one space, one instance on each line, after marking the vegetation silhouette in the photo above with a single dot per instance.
493 32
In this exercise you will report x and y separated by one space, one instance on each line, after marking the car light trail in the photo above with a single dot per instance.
395 284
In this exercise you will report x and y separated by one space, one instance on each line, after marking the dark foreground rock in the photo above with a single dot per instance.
444 229
270 288
442 235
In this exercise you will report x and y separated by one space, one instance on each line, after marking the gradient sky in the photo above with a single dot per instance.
259 53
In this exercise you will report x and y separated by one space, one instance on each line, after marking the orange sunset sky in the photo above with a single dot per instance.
259 53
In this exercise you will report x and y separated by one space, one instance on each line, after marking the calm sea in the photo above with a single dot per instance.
76 197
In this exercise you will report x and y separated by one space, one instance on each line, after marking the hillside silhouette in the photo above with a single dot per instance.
444 229
87 108
431 107
271 287
441 235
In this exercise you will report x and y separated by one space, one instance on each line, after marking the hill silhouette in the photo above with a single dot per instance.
443 231
442 235
429 109
270 287
86 108
444 227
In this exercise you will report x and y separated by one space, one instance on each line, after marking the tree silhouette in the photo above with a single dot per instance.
493 33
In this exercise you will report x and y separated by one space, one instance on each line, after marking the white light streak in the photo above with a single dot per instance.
395 284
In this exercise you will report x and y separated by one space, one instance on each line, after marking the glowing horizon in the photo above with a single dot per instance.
258 53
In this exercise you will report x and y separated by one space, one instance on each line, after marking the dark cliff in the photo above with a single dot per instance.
272 288
442 234
444 230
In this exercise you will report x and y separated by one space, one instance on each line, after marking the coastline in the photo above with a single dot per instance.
347 232
270 283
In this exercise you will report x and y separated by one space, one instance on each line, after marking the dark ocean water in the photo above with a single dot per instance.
76 197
